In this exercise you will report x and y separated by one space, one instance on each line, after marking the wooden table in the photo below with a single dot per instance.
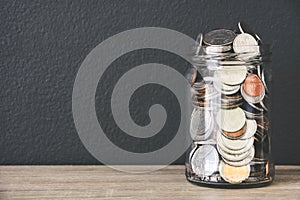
102 182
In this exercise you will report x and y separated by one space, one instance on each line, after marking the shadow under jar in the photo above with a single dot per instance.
230 122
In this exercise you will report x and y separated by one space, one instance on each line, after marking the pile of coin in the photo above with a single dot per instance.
229 123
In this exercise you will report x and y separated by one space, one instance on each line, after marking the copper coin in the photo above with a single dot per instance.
253 86
237 133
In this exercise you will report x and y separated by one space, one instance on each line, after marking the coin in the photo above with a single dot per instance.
200 122
263 123
258 68
250 111
251 129
253 86
232 62
233 157
217 49
231 120
205 160
253 99
235 144
204 91
231 75
225 89
236 134
190 75
240 28
219 37
246 46
244 28
192 153
243 162
253 89
231 101
233 174
206 135
262 104
231 151
208 141
257 107
258 39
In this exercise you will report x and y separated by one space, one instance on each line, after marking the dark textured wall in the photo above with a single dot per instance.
43 44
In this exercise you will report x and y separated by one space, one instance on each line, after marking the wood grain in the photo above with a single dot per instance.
102 182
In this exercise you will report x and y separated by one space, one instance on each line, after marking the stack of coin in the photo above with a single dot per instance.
231 101
229 105
203 94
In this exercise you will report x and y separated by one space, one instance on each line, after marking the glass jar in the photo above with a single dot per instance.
230 122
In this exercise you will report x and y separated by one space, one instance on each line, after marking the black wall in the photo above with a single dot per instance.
43 44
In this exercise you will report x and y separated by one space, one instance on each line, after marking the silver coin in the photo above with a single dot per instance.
219 37
231 75
225 89
256 107
217 49
234 157
258 39
246 46
245 29
200 122
192 153
231 120
232 62
251 115
206 92
202 142
263 106
240 27
206 135
236 144
251 129
205 160
243 162
230 151
258 71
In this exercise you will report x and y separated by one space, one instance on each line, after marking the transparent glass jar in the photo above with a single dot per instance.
230 122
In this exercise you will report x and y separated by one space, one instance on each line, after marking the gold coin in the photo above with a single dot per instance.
233 174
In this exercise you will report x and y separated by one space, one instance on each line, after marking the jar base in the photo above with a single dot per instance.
222 184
